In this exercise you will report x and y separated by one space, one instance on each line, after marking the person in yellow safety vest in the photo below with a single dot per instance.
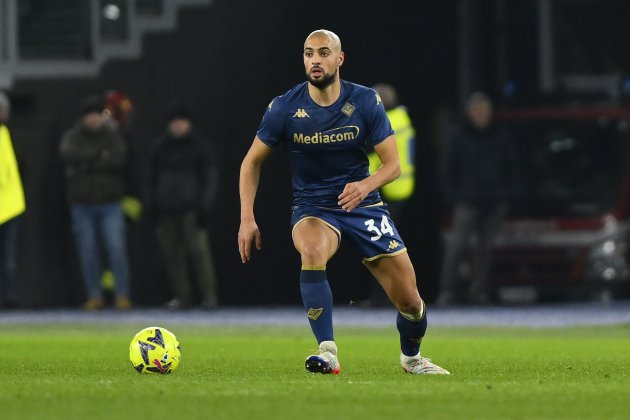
398 192
12 204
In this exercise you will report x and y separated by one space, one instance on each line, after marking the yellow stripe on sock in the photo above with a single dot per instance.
314 267
418 316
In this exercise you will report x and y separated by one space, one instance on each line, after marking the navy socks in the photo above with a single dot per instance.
318 302
411 328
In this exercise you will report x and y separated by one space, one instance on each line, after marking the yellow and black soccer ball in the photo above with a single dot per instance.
154 350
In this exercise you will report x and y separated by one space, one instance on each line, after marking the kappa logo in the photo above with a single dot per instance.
314 313
348 109
393 245
301 113
378 98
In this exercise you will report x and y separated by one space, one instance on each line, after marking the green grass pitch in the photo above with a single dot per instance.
82 372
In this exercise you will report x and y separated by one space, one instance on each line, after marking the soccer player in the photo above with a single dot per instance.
325 124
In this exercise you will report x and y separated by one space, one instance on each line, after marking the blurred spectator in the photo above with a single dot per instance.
181 184
94 157
479 175
397 193
12 205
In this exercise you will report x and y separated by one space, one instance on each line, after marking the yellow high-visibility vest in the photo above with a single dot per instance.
11 191
401 188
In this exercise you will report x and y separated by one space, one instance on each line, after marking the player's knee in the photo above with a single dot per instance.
313 253
410 306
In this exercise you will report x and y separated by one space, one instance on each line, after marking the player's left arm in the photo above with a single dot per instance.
355 192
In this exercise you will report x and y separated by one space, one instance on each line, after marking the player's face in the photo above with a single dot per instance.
321 61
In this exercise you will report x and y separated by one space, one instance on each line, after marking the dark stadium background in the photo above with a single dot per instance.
227 62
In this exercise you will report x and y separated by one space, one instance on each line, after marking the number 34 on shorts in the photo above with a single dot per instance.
374 233
386 228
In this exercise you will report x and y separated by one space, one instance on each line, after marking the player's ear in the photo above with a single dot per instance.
341 58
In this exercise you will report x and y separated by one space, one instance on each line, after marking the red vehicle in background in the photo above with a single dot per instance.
568 234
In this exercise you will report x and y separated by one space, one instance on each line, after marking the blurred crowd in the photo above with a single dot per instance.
108 189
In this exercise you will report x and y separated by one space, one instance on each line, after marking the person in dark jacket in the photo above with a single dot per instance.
94 158
479 178
181 184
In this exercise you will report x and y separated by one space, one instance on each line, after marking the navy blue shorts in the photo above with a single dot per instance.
370 229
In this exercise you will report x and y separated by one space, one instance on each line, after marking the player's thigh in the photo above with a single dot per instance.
315 240
397 277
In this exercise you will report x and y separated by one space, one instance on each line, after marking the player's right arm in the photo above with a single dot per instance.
251 167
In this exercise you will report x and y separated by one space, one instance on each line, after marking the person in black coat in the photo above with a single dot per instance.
180 190
479 178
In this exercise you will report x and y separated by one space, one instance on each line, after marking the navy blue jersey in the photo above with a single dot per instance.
327 145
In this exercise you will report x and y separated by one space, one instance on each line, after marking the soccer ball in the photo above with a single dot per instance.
154 350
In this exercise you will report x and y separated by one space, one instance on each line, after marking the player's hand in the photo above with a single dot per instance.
352 195
248 233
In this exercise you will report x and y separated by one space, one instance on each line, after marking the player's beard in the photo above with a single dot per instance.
324 82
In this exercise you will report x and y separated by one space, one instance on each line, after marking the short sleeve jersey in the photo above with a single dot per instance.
327 145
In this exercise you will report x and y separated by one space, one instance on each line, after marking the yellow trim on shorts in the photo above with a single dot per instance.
380 203
376 257
334 229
